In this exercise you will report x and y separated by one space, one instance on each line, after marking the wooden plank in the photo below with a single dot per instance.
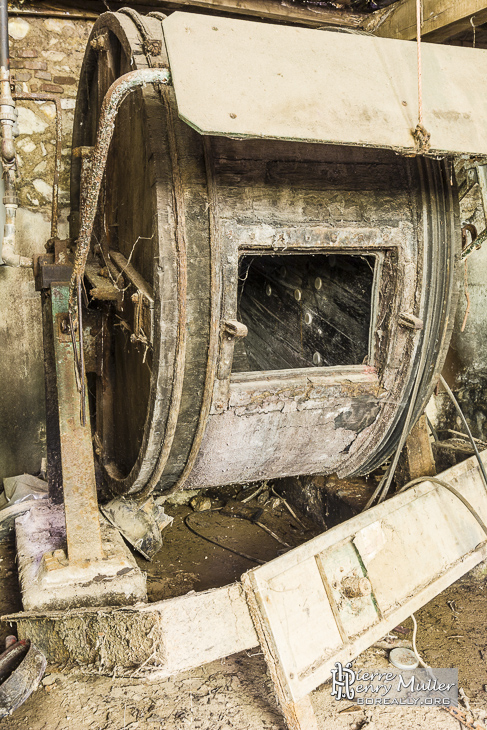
160 638
133 275
271 10
102 287
441 19
417 457
299 715
275 10
380 566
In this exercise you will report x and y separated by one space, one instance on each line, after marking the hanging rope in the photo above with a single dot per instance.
420 134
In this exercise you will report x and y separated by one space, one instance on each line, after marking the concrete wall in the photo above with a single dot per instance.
46 56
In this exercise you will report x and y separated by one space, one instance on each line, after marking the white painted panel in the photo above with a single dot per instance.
246 79
422 538
356 614
298 599
411 547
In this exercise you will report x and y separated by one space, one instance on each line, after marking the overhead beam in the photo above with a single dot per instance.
442 19
270 10
275 10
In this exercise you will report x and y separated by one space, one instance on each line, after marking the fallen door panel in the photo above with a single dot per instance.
334 596
302 586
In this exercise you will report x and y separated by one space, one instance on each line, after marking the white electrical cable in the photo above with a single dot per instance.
415 631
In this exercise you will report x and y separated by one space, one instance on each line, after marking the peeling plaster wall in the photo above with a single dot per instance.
46 56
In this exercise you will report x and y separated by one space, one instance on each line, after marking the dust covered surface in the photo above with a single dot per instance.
237 692
187 562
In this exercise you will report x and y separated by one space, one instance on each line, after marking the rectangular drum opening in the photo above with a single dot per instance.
304 310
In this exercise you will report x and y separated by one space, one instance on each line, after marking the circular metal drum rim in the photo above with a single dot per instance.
440 285
149 454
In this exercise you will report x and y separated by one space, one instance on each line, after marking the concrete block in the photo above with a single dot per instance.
47 579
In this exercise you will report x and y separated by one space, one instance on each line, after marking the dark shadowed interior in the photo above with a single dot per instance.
304 310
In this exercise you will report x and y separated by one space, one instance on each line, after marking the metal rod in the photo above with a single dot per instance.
4 55
82 389
115 95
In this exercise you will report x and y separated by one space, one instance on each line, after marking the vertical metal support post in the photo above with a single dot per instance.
83 534
53 444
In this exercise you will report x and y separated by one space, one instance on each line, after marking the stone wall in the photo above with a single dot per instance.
46 57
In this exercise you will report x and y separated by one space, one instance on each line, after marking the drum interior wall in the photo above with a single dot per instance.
129 228
304 311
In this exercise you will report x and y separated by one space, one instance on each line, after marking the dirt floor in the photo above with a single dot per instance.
237 692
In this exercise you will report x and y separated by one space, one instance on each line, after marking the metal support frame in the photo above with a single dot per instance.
71 557
79 485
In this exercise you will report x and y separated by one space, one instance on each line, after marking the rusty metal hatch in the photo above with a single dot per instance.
231 78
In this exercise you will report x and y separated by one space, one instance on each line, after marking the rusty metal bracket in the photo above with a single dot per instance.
52 267
235 329
477 239
99 43
231 330
79 486
410 321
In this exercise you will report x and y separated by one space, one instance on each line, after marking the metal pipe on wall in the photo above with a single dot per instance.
4 56
8 257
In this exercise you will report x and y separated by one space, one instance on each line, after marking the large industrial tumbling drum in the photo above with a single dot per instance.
270 304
